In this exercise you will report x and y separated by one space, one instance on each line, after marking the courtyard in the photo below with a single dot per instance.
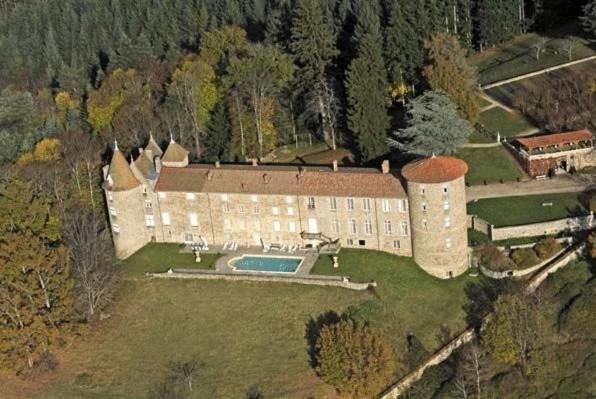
245 333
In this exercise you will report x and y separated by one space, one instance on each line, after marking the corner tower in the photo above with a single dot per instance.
438 217
124 197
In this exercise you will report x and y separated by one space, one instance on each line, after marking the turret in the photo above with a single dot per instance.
438 218
175 156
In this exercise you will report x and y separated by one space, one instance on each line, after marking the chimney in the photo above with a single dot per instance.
385 167
335 165
157 164
217 164
255 162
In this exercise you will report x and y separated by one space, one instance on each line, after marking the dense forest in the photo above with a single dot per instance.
230 80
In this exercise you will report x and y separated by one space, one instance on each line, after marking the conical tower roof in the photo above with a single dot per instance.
175 153
119 174
145 166
153 147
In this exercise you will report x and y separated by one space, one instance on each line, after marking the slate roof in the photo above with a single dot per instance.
556 138
281 180
145 166
435 169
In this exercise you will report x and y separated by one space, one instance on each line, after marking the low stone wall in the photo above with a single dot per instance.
519 273
479 224
564 261
563 240
321 280
544 228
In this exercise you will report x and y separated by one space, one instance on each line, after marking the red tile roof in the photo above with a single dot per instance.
435 169
281 180
556 138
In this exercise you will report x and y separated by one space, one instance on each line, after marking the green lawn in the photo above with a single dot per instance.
517 57
482 102
508 124
247 333
479 138
511 211
156 258
489 164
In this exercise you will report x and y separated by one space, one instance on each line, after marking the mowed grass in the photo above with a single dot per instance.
489 164
512 211
517 56
507 124
406 298
247 333
158 258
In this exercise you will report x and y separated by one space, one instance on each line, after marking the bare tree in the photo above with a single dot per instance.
470 367
569 45
540 46
94 268
184 372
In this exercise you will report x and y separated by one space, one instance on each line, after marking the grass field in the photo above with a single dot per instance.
511 211
245 333
157 258
489 164
512 93
508 124
517 56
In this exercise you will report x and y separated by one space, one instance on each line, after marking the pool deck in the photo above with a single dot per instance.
310 257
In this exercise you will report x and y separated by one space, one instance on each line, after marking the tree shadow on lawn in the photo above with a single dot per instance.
313 329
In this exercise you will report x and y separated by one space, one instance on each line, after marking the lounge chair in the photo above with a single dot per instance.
225 246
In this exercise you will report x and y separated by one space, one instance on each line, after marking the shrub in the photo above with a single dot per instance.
524 257
354 359
493 258
547 247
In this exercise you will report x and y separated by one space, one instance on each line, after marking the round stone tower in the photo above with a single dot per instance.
438 217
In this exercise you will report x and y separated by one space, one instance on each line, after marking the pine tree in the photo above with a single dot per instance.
217 142
497 21
449 72
589 18
367 88
434 126
313 43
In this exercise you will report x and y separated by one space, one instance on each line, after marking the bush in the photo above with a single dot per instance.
493 258
524 258
354 359
547 247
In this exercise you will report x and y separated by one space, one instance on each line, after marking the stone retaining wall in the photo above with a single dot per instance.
564 261
327 281
519 273
545 228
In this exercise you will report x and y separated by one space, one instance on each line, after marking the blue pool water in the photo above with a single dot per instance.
267 264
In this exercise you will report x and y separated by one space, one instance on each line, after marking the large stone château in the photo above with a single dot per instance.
419 211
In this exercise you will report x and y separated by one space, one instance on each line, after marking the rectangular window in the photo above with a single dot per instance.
290 211
386 205
275 210
396 244
312 225
240 208
224 197
423 205
148 204
366 204
115 228
255 209
242 224
404 228
227 225
162 195
289 199
311 203
144 190
276 226
362 243
446 205
448 243
403 205
193 218
225 207
422 189
257 225
292 227
447 221
191 196
254 198
445 188
165 218
335 226
367 227
112 211
353 226
388 229
350 242
332 204
149 221
350 202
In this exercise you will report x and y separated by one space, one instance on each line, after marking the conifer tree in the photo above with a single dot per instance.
313 43
367 88
589 18
497 21
449 72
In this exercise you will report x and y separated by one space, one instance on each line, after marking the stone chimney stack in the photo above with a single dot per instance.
335 167
385 167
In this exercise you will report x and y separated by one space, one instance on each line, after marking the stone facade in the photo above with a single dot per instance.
259 205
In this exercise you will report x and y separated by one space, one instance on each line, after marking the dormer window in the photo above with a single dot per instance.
144 190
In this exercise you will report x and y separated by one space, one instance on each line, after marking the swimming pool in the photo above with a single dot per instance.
272 264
